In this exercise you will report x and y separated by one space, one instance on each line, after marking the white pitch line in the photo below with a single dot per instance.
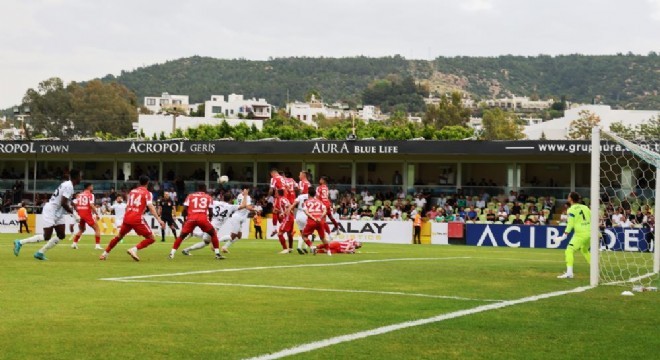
310 289
389 328
279 267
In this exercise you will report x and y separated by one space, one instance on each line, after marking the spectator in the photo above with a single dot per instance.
516 209
387 212
472 215
517 220
431 214
490 215
397 179
368 198
420 201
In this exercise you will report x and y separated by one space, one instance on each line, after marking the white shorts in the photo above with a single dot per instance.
236 224
118 222
51 217
200 234
301 220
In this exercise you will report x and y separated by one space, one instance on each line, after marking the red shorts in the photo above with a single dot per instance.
191 223
286 224
86 219
141 229
313 225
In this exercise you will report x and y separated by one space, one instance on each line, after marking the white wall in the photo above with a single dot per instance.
154 124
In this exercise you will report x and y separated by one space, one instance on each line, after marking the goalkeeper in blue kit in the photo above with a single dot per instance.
579 223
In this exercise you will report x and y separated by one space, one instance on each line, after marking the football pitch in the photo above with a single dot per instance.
386 302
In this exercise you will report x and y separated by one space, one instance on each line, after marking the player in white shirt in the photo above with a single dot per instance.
237 219
53 216
222 211
119 209
73 218
301 220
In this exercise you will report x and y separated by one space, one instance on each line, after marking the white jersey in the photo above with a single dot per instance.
65 190
242 214
221 212
119 210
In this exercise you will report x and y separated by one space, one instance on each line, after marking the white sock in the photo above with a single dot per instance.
569 270
229 243
134 249
172 252
300 243
225 238
32 239
197 246
49 245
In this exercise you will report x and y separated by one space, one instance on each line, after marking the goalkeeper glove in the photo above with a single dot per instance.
560 238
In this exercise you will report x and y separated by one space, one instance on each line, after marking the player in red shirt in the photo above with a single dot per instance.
276 183
199 207
315 211
87 211
322 194
137 201
303 184
286 220
347 246
290 187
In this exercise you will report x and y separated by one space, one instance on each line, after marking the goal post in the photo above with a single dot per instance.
625 248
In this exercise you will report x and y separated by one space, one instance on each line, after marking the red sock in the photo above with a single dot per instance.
290 236
334 222
282 241
144 243
274 219
215 241
76 238
177 243
112 244
326 227
309 243
97 238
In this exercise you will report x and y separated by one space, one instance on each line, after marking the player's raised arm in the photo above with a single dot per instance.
155 214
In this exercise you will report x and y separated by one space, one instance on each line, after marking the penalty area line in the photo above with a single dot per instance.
389 328
300 288
280 267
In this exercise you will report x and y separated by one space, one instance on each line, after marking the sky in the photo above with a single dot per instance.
78 40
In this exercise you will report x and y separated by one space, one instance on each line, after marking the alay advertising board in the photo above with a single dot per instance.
391 232
529 236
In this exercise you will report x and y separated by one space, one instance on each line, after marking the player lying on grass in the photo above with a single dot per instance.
222 210
347 246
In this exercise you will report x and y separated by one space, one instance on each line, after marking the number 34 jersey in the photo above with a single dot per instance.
221 212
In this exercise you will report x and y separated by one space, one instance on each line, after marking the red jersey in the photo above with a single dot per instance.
282 204
277 182
136 202
322 194
316 208
83 201
303 185
290 186
198 205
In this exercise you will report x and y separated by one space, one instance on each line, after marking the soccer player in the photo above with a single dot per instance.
166 212
579 223
303 184
238 218
315 211
87 212
347 246
286 221
322 194
119 209
290 187
53 215
276 183
222 210
199 207
301 219
137 201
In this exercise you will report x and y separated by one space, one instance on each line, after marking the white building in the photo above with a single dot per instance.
236 105
557 129
308 112
518 103
156 124
167 102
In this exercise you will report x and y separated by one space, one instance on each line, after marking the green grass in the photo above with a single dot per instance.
59 309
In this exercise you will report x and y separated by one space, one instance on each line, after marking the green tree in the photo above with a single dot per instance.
626 132
651 129
454 132
448 112
580 128
51 109
98 106
501 125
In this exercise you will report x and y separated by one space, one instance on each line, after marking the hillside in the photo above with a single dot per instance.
629 81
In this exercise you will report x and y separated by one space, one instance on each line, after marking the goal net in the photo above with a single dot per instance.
624 244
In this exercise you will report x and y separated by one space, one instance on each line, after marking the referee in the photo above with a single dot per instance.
166 213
